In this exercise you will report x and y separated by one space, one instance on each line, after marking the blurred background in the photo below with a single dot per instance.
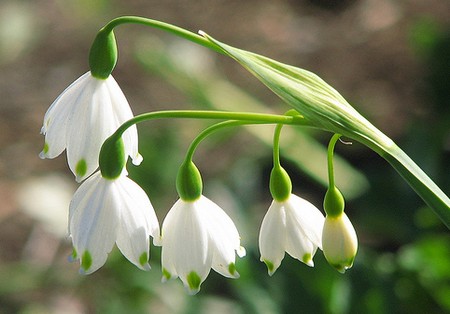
390 59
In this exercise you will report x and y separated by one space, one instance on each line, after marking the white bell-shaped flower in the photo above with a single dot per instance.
340 242
197 236
104 212
293 226
81 118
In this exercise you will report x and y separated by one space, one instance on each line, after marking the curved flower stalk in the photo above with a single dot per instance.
107 211
293 226
197 236
80 120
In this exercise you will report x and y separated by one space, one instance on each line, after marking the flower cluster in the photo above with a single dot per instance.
109 208
91 121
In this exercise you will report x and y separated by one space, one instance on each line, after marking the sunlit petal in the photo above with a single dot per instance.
272 236
81 118
104 212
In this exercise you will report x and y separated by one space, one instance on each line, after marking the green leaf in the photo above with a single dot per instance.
327 109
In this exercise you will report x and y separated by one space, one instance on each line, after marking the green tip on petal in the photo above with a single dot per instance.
166 275
232 270
81 168
307 258
73 256
194 281
143 259
270 267
46 148
342 267
86 261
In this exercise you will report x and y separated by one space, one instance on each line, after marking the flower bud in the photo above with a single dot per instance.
339 242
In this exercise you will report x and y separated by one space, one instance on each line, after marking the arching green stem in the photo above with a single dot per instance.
178 31
208 131
215 115
333 202
331 146
189 181
276 145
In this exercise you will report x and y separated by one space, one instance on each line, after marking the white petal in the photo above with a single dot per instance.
123 113
185 244
138 222
340 242
56 118
223 235
272 236
297 243
306 217
93 121
93 223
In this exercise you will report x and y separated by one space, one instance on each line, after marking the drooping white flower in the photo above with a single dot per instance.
340 242
293 226
81 118
197 236
104 212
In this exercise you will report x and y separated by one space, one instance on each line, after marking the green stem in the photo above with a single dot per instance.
249 117
331 146
276 145
189 180
208 131
280 183
178 31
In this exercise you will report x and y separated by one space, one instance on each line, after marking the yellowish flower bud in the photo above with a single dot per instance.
339 242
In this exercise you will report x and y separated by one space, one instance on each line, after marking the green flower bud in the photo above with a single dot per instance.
189 182
112 158
103 54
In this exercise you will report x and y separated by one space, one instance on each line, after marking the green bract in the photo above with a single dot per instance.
112 157
325 108
103 54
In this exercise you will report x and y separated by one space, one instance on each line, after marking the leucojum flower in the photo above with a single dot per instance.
87 112
110 208
82 118
197 235
291 224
